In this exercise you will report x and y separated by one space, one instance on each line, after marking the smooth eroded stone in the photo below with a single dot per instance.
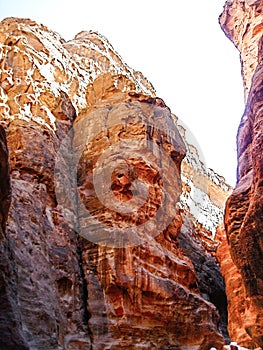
242 22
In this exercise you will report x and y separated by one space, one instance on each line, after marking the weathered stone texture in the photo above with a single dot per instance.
242 21
152 285
203 198
37 114
68 109
10 323
235 291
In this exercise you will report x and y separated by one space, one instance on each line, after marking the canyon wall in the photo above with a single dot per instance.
106 244
242 21
202 203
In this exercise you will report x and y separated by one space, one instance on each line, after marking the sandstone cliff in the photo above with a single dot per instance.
99 249
203 198
242 21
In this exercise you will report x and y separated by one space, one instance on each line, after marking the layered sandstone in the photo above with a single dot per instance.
202 202
242 22
37 112
235 291
144 285
204 191
96 258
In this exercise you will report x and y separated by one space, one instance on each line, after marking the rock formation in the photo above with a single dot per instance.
202 202
97 246
242 21
235 291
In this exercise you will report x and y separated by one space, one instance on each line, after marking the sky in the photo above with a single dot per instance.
178 45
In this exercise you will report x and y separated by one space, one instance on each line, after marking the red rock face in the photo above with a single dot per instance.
235 291
84 261
242 23
244 208
150 284
46 300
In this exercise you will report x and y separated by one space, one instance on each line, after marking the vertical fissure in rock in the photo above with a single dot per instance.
79 243
86 312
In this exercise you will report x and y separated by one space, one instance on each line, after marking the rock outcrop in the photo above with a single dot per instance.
153 284
235 291
242 21
203 202
97 244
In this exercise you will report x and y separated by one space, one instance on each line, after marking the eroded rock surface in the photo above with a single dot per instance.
242 21
143 283
10 323
235 291
85 270
202 203
48 291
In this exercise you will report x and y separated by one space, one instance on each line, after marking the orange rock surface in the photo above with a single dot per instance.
242 22
235 291
97 244
152 285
